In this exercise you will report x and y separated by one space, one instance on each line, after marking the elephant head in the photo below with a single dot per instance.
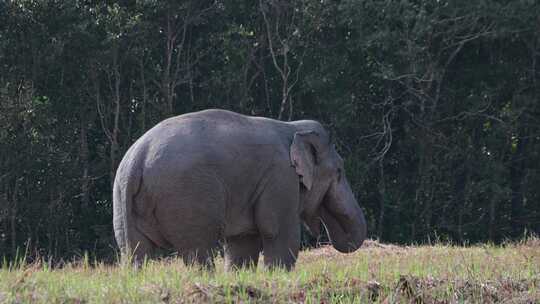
325 192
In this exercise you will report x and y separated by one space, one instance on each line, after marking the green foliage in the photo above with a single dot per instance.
433 104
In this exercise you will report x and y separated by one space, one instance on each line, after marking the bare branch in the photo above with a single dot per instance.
269 37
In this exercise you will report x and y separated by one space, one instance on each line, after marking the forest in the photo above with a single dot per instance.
434 105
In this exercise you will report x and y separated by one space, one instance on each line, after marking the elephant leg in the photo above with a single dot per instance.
278 220
141 248
282 251
190 214
242 251
202 258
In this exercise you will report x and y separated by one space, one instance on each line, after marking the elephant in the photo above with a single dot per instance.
218 180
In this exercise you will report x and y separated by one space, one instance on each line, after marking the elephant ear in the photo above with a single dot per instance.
306 152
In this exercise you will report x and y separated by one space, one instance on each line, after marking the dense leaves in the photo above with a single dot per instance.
434 105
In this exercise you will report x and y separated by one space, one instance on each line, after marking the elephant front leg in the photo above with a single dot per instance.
242 251
282 250
277 216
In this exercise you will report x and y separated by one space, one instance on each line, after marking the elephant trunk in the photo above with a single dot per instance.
343 218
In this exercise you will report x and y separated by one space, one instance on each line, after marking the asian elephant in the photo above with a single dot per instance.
214 179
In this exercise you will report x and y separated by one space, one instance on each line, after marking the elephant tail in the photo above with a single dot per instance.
127 184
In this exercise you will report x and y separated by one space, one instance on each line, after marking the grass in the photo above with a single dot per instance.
376 273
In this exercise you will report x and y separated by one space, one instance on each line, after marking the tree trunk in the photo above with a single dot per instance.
517 174
491 228
144 94
13 217
382 198
166 81
461 192
116 130
85 179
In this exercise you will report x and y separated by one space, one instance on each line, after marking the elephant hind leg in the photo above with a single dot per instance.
141 248
200 258
242 251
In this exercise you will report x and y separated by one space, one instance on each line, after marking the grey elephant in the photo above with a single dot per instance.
215 179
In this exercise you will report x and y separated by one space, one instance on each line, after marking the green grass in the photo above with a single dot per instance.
376 273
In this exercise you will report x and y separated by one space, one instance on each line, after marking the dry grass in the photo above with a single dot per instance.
377 273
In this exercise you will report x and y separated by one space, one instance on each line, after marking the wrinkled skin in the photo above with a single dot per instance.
201 180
